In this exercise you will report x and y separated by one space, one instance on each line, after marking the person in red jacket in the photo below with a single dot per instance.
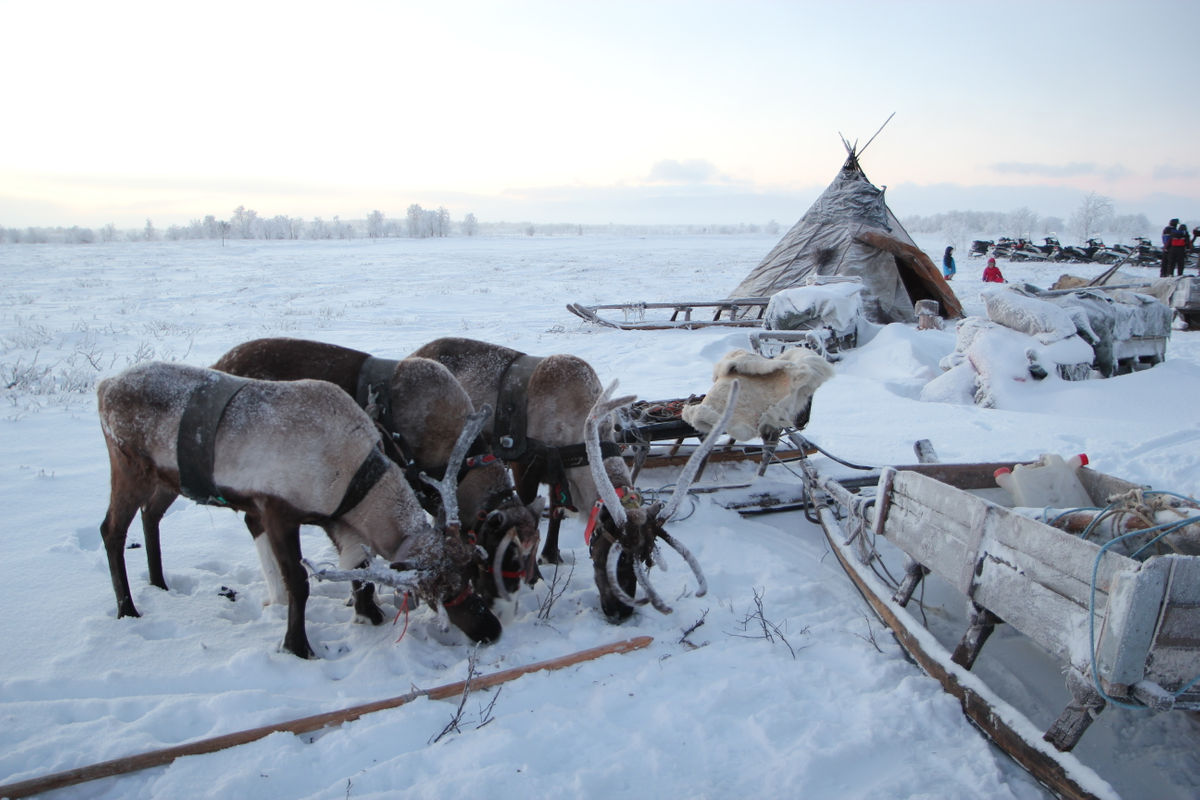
1177 252
991 273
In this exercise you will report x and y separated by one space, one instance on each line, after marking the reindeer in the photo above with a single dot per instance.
286 454
544 407
421 408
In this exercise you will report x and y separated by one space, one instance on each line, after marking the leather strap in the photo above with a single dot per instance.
375 375
509 440
369 472
198 434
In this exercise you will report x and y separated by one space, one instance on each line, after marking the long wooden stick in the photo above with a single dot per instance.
155 758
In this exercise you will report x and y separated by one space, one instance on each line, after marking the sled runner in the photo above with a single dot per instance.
1125 625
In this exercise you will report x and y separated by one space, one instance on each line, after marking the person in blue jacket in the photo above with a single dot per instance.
948 268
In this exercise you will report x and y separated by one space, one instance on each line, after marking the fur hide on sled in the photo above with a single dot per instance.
773 392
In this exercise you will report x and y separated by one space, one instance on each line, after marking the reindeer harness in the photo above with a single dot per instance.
197 436
373 392
195 447
543 463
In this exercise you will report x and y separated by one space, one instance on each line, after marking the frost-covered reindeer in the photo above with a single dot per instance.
286 454
551 423
422 408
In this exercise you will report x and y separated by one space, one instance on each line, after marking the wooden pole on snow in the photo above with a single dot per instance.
156 758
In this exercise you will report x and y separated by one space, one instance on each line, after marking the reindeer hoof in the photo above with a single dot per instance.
614 610
300 649
373 615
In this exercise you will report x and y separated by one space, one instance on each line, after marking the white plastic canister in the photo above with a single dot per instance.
1049 481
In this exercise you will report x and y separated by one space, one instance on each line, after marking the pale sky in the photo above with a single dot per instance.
591 112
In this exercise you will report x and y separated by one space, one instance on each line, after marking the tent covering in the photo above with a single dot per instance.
850 231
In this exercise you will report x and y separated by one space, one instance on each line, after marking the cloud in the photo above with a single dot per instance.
1168 171
1074 169
675 204
693 170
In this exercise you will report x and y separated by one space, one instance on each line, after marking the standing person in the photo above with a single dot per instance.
1195 236
1180 244
991 273
948 268
1168 233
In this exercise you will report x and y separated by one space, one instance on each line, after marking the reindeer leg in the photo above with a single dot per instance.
550 552
128 492
284 536
113 530
353 553
365 607
276 592
152 513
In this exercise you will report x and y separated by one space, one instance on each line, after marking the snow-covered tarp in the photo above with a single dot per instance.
834 303
1034 335
989 358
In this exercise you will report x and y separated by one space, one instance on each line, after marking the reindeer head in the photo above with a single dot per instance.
625 543
507 530
449 567
510 535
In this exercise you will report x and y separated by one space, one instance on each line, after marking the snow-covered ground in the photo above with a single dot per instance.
830 709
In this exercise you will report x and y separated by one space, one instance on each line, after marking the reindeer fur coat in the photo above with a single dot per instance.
773 391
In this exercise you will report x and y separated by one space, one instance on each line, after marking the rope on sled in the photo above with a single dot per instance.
1133 503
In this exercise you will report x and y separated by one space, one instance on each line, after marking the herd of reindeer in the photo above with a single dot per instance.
432 463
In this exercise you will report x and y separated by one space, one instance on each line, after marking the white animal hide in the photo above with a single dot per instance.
774 391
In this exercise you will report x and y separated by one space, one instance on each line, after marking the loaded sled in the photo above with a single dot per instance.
1111 591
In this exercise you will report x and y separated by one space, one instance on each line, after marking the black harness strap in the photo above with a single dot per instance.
549 465
509 438
198 434
374 385
511 442
375 378
369 472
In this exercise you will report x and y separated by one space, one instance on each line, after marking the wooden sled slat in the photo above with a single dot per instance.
732 313
1062 773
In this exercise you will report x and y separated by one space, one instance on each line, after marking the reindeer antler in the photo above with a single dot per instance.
687 475
686 478
447 487
591 441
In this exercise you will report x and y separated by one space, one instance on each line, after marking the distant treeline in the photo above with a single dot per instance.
418 223
1093 216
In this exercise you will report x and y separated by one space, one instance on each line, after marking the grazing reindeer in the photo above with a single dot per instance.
421 407
542 405
286 454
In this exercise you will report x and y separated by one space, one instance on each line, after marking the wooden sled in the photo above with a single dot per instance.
1127 631
746 312
653 434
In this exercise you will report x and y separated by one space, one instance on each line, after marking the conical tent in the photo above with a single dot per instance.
850 231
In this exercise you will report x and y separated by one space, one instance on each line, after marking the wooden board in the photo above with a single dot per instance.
1034 577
